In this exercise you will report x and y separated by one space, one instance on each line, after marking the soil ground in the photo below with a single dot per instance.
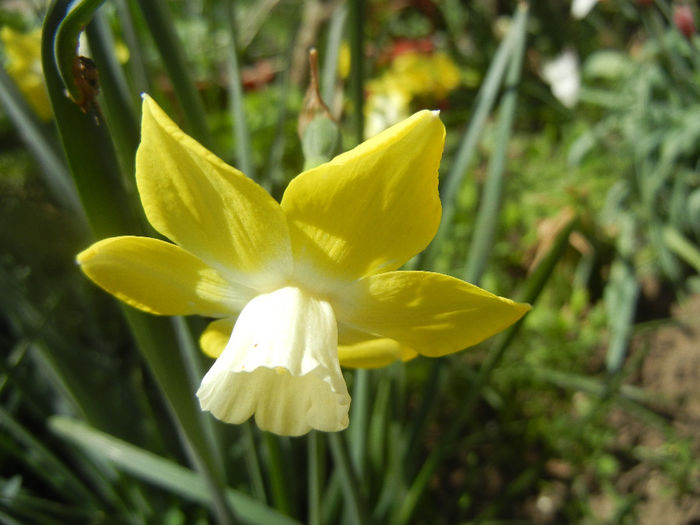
671 373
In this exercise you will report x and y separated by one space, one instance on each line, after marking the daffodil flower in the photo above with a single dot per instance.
299 287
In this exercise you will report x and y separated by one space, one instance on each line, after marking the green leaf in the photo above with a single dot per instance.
33 509
76 18
490 202
41 145
315 453
332 52
682 247
485 100
42 461
357 62
87 145
244 149
160 471
621 301
354 504
359 415
159 20
119 104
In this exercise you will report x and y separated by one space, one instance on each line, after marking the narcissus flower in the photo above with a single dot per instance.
299 287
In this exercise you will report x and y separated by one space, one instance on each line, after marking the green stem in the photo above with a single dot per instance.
159 21
65 44
190 352
88 148
332 499
253 463
357 60
236 103
490 206
332 51
355 509
315 450
485 100
280 495
359 418
394 482
136 66
120 111
428 400
275 180
378 428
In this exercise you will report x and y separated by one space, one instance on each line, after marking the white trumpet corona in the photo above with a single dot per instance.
281 364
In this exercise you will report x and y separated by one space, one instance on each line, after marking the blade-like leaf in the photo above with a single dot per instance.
66 41
46 464
40 144
160 471
485 100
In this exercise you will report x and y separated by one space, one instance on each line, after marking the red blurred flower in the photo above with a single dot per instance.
683 18
258 75
404 45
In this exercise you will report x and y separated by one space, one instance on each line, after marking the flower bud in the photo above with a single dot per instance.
320 141
319 133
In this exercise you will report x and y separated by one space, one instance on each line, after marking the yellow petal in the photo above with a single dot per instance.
215 336
373 353
280 364
371 209
160 278
206 206
432 313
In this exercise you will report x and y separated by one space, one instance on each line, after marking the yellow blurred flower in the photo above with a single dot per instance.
445 73
344 58
299 287
121 51
411 75
23 64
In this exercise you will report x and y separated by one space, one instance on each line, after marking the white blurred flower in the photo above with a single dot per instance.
580 8
383 110
564 78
